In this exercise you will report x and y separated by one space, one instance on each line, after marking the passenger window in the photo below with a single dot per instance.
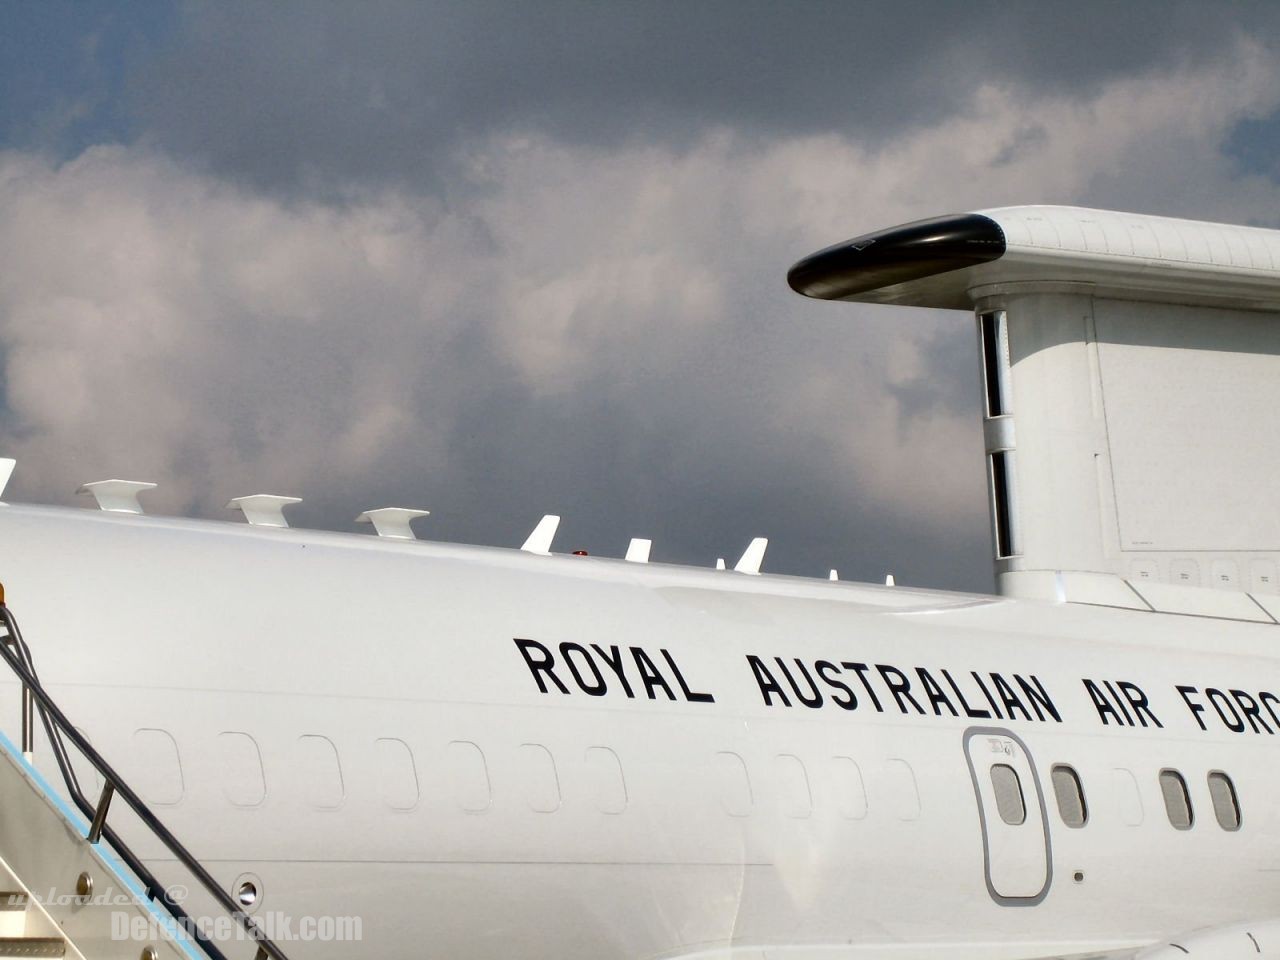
1128 796
851 792
1070 795
1177 802
319 774
240 765
1013 809
902 789
156 755
467 771
397 774
607 784
541 782
1226 807
793 786
735 785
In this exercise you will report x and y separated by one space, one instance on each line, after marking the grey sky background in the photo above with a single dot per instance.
498 260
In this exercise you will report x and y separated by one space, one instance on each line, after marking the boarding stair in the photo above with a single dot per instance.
70 886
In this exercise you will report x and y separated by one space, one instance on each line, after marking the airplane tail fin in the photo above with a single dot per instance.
1131 372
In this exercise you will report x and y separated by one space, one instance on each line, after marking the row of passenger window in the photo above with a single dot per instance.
1068 790
1177 801
838 779
317 776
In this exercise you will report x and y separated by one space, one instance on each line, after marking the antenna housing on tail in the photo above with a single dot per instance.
1131 383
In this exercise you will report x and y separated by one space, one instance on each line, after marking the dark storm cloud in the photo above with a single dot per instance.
660 384
289 95
500 260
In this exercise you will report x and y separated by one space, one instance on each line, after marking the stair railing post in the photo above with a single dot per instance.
28 727
28 704
100 814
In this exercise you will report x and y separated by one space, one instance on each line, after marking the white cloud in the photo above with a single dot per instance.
158 323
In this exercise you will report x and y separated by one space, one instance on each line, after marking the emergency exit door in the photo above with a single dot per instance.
1011 816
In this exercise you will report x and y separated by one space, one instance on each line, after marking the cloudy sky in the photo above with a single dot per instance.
505 259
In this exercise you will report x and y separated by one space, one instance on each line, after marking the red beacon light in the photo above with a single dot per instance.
581 553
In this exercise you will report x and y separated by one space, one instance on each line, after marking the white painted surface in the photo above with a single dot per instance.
263 509
638 550
752 557
120 496
394 522
539 541
360 640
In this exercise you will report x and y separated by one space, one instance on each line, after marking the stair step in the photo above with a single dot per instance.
13 914
32 947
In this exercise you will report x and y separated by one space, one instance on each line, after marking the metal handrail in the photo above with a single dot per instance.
56 726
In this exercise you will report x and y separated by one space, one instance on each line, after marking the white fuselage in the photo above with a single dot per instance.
351 721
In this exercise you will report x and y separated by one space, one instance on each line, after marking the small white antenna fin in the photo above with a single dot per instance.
833 575
117 496
752 557
6 471
638 550
889 581
540 540
393 522
720 563
263 509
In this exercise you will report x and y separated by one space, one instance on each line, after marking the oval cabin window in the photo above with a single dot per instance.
794 797
159 769
468 774
1177 802
901 790
1008 791
851 790
240 765
734 784
397 773
607 784
1226 806
1070 796
319 773
538 773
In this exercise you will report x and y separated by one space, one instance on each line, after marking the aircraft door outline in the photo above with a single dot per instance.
1017 854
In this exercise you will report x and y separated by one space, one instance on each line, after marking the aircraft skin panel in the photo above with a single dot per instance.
1189 423
506 835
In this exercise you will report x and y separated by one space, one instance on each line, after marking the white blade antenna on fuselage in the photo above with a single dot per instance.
752 557
263 509
638 550
117 496
6 471
394 523
539 541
